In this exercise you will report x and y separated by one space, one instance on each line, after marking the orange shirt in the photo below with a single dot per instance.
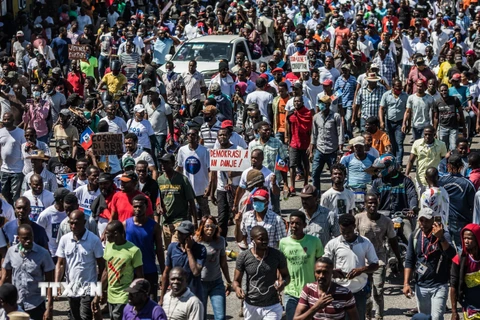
380 141
340 34
282 115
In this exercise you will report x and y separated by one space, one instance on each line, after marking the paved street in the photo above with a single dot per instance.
395 302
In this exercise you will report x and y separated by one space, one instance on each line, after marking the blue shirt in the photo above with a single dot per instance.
462 197
60 47
176 257
160 49
357 177
149 311
462 93
347 90
39 234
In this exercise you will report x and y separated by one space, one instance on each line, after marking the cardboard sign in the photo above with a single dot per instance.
77 51
299 63
104 144
229 160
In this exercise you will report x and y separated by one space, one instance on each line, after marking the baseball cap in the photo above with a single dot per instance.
252 106
261 194
215 87
277 70
426 213
357 141
20 33
346 66
139 108
210 109
456 77
60 193
325 99
227 124
65 112
420 61
168 157
129 176
186 227
300 42
298 85
470 53
56 70
62 143
374 66
105 177
308 191
139 285
327 82
458 58
128 162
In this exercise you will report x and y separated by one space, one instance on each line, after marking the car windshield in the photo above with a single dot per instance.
204 52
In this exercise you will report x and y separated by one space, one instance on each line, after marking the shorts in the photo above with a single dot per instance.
297 157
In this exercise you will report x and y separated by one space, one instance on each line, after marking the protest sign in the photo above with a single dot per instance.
77 51
229 160
107 144
299 63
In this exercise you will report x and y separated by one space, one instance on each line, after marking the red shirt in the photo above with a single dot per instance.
122 205
300 128
106 213
76 82
475 178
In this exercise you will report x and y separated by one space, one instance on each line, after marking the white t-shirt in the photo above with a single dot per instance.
117 125
50 220
83 21
7 212
38 203
143 130
27 166
195 164
267 174
11 150
331 74
86 198
312 91
112 18
339 202
262 98
75 182
158 117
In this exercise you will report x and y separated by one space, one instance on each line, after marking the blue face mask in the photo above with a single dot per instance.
322 106
88 56
36 94
299 49
257 136
258 206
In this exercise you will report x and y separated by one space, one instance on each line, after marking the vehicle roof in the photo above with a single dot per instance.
215 38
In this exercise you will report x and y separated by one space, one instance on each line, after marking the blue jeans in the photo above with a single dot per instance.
432 300
396 136
11 185
103 63
449 136
161 141
417 133
290 304
348 121
216 291
319 161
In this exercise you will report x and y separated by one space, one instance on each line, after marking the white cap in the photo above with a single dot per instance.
20 33
139 108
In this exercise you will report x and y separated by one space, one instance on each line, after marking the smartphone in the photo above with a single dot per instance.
437 219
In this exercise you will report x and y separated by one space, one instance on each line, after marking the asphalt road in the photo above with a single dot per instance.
395 302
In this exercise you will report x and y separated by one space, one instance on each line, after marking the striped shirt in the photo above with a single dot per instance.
193 84
209 134
272 222
130 62
369 101
343 300
173 85
347 88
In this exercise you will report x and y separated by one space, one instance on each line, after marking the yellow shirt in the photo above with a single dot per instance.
443 72
114 83
427 156
69 133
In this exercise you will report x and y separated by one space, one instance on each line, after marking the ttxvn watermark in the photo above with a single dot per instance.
71 289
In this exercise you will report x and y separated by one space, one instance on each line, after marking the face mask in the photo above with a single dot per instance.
207 119
461 14
322 106
88 56
299 49
257 136
258 206
397 92
36 94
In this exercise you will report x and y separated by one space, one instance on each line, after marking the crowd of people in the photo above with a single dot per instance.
142 234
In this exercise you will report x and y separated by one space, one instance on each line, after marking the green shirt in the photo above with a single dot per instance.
89 67
176 193
121 263
301 256
94 124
